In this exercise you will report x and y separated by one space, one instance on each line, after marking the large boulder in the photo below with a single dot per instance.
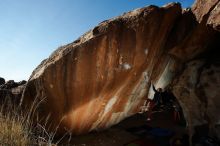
105 75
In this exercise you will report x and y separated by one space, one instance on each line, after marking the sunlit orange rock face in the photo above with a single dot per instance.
105 75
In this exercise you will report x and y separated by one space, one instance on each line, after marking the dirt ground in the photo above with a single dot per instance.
118 134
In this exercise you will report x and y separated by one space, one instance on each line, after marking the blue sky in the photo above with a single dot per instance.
30 30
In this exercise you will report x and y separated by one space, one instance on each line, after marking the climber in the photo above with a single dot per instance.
156 101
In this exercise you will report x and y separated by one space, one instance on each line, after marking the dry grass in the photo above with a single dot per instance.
16 129
13 132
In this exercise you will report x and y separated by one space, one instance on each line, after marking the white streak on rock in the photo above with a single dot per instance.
109 105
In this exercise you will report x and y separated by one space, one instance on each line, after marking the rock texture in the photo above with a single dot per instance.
105 75
208 11
197 87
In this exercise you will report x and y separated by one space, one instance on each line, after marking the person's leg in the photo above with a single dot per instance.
149 113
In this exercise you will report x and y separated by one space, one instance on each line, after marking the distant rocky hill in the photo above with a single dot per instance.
105 75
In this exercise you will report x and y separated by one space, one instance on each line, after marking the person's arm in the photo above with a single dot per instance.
154 88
